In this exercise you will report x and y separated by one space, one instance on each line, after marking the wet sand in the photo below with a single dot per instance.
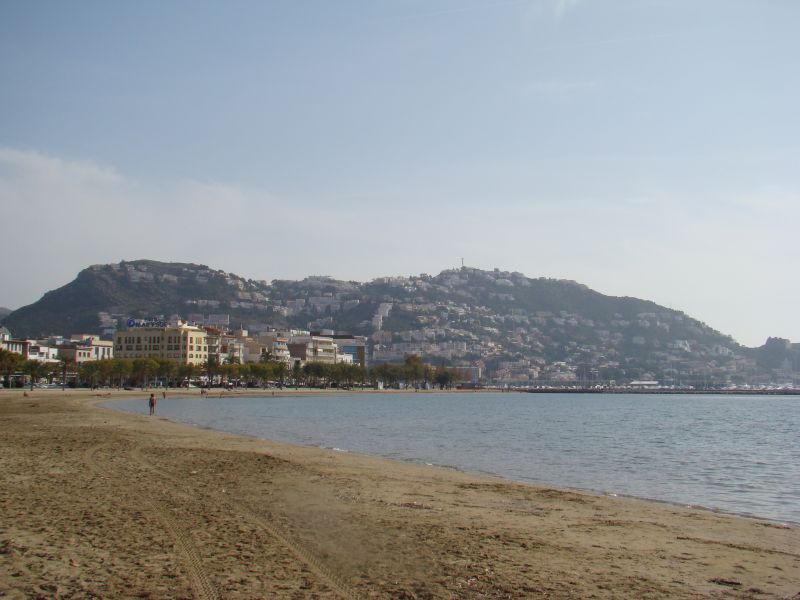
102 504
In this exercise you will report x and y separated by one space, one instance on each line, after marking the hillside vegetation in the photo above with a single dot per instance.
520 329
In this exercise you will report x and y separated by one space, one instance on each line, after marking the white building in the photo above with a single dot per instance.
84 348
313 348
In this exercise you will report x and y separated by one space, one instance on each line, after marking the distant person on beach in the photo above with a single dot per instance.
152 404
164 394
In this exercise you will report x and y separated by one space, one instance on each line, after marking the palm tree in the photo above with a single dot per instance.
443 377
166 370
212 368
105 371
66 364
297 374
89 372
35 370
415 369
10 362
314 372
188 372
143 369
280 372
121 370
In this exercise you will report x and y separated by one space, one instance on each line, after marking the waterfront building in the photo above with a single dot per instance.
30 349
214 344
345 359
354 346
16 346
254 351
85 347
181 343
231 349
277 345
313 348
42 352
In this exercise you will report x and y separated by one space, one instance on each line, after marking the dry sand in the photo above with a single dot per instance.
97 503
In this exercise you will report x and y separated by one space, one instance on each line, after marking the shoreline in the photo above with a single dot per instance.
664 392
478 473
104 503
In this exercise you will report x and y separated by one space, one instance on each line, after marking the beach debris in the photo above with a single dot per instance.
775 525
415 505
727 582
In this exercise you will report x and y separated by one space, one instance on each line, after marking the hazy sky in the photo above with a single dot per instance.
648 148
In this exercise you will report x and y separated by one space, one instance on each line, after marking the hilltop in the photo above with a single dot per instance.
517 328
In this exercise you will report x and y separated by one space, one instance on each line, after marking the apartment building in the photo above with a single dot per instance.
354 346
231 349
85 347
42 352
30 349
181 343
16 346
277 344
313 348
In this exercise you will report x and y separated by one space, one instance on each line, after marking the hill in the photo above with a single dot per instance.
517 329
103 296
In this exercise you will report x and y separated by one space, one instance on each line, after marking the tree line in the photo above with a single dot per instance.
145 372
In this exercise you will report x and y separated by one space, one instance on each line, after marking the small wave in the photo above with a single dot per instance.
420 461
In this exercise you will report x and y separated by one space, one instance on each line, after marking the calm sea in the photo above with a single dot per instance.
739 454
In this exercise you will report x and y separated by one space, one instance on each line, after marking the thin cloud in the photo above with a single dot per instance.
558 88
32 165
562 7
68 214
773 199
457 9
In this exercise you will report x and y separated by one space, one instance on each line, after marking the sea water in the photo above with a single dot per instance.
738 454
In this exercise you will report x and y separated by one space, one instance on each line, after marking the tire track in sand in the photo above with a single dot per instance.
198 578
303 554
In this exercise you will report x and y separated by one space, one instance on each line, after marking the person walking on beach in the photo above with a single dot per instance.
152 404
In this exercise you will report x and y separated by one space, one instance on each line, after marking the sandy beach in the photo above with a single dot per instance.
97 503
